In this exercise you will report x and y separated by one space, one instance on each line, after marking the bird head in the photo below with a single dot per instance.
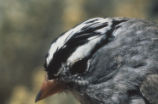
68 60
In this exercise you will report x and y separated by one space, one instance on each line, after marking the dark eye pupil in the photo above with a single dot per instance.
79 67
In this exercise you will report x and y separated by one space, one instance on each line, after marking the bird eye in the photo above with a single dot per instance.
79 66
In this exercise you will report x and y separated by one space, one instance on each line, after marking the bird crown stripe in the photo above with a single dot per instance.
81 41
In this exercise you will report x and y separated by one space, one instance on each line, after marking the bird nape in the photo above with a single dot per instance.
104 61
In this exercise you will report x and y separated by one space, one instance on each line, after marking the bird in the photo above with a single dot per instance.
105 61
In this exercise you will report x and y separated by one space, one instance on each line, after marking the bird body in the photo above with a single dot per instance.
106 61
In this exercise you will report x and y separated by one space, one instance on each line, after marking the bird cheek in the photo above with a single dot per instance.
49 87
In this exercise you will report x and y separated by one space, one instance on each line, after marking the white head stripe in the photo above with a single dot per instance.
61 41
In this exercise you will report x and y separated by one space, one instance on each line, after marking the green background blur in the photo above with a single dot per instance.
27 28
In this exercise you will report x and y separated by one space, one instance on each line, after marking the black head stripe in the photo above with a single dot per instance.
82 42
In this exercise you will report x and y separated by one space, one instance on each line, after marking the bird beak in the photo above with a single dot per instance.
49 87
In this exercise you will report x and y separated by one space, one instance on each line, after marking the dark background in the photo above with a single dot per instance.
27 28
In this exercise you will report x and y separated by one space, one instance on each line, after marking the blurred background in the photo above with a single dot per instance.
27 28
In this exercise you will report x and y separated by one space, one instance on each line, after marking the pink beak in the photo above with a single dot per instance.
49 87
